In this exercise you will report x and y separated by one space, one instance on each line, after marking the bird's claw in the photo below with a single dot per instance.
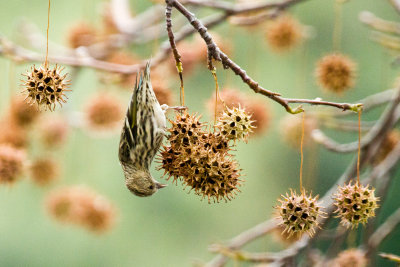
165 107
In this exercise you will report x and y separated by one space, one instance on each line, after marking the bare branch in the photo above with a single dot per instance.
384 230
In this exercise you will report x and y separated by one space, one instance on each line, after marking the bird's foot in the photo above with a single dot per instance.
165 107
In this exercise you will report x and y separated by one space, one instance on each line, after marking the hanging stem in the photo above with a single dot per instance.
359 146
47 36
301 152
214 73
337 28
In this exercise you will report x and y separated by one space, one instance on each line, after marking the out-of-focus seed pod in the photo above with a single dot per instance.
336 73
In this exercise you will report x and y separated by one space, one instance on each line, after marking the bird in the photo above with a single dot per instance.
141 137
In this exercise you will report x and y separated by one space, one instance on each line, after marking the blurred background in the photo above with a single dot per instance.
174 227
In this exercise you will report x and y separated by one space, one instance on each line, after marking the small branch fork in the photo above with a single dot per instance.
215 53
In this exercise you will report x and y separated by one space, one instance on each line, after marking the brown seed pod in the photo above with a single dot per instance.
80 205
81 34
211 175
185 130
21 113
388 144
43 171
103 112
46 87
283 33
13 134
11 164
350 258
299 213
235 123
355 204
336 72
290 128
53 131
97 215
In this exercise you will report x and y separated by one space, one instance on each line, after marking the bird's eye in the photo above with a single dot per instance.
151 187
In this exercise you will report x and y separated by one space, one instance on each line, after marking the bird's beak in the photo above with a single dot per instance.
159 186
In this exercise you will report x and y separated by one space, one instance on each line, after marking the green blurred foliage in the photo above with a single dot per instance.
174 228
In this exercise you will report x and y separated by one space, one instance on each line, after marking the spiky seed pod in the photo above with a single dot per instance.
290 128
21 113
235 123
216 142
81 34
283 33
211 175
11 164
81 206
388 144
103 112
185 130
13 134
46 87
355 204
53 131
171 161
299 213
336 72
43 171
350 258
254 106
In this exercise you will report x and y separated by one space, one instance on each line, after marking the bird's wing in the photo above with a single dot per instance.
129 129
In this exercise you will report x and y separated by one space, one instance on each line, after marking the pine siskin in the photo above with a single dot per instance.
141 137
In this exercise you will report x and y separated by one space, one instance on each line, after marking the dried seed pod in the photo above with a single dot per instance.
11 164
81 34
211 175
185 130
336 72
103 112
216 142
46 87
21 113
235 123
350 258
171 161
80 205
283 33
355 204
44 171
299 213
97 215
13 134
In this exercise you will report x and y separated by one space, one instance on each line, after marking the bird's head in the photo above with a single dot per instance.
142 184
